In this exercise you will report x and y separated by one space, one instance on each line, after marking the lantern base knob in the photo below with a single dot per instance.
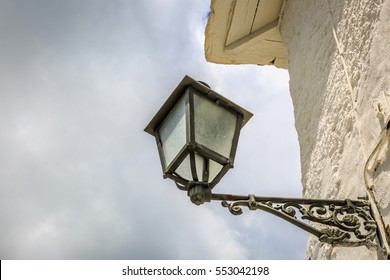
199 192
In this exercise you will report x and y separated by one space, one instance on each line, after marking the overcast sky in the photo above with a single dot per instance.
80 179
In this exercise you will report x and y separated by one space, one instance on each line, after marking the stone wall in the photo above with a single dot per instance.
339 65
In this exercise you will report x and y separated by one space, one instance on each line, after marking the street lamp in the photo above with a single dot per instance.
197 132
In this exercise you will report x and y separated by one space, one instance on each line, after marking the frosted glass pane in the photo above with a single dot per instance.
214 126
184 170
214 169
173 132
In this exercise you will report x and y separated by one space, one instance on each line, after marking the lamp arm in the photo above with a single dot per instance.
343 222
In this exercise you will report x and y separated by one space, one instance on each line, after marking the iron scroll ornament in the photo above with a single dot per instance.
344 222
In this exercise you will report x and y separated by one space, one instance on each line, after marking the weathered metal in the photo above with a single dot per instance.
342 222
186 92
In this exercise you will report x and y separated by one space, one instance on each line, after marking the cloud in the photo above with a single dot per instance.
79 179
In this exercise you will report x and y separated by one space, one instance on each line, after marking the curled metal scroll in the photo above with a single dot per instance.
343 223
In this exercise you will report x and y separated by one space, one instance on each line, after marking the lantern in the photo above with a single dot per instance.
197 132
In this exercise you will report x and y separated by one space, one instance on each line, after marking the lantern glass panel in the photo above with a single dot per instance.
214 169
214 126
172 132
184 169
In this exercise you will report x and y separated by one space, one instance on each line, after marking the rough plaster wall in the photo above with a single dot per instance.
338 57
378 108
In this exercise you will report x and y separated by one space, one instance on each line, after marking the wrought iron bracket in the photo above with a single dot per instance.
337 222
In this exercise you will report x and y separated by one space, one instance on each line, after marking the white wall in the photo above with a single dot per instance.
338 55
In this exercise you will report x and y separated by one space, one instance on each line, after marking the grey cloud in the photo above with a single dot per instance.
79 179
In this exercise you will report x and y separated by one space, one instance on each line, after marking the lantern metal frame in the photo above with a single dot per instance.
192 147
346 222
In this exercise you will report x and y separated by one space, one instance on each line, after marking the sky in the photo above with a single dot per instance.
80 179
